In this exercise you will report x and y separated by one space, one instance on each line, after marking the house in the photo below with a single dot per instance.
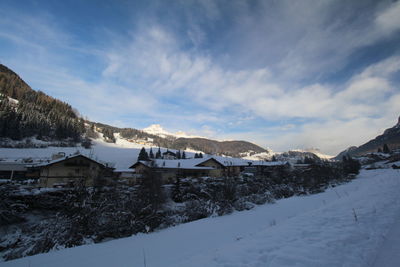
169 170
13 170
72 170
168 155
127 176
17 170
237 166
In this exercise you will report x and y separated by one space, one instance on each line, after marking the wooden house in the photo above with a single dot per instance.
169 170
73 170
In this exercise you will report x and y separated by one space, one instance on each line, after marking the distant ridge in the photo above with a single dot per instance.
390 137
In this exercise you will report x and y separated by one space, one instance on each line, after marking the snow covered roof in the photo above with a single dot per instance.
12 166
178 163
245 162
51 162
194 163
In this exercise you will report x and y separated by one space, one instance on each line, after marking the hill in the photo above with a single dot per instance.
25 112
390 137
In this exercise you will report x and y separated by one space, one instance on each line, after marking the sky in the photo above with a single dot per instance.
283 74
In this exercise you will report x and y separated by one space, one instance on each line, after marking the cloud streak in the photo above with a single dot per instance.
264 78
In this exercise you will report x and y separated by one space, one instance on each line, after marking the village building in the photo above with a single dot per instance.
127 176
72 170
168 155
238 166
214 166
18 170
13 170
169 170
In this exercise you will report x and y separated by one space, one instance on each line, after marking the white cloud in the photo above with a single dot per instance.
152 73
389 20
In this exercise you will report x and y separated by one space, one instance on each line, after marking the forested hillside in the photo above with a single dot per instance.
34 113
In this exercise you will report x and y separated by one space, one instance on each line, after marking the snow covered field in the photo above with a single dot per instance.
355 224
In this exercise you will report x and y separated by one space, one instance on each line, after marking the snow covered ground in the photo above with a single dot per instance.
355 224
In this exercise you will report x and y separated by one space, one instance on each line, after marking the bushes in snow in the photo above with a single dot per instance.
37 223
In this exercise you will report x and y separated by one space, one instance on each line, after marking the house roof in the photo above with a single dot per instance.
192 164
51 162
12 166
245 162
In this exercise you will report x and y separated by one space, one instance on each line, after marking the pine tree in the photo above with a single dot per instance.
273 158
386 149
379 150
177 195
151 155
178 154
183 155
150 191
158 153
196 156
351 166
143 155
200 155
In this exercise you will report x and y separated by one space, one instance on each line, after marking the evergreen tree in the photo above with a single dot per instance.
351 166
178 154
183 155
196 156
386 149
158 153
143 155
379 150
200 155
150 191
273 158
177 194
151 155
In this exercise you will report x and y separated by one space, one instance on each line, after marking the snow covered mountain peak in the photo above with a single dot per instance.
157 129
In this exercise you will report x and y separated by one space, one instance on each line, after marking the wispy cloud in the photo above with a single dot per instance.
260 76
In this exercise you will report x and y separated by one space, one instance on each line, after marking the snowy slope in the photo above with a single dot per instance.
316 230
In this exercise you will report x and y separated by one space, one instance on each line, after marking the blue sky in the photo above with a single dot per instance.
283 74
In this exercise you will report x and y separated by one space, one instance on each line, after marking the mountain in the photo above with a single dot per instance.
25 112
183 141
162 138
156 129
390 137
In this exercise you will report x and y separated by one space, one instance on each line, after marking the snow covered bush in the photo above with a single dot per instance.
34 222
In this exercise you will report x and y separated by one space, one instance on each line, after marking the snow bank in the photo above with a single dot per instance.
316 230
